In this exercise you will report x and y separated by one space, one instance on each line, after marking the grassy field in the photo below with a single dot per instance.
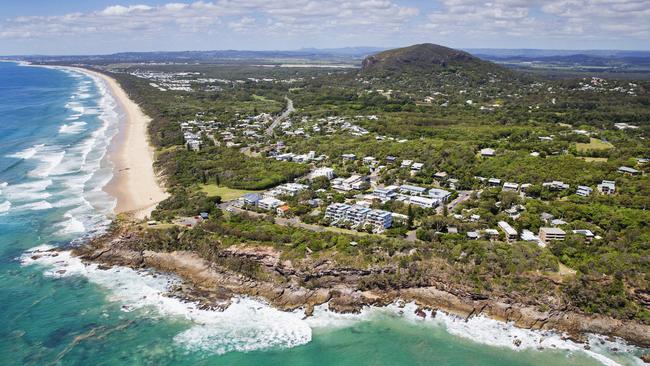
593 160
594 144
225 193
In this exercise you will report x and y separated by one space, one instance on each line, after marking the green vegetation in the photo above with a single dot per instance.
226 194
442 118
594 144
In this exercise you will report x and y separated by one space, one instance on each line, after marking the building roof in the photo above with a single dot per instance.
409 187
626 169
438 193
552 230
251 196
507 228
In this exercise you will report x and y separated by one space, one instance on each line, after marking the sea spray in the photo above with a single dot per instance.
251 324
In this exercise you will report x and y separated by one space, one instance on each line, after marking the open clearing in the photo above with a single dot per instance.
593 160
594 144
226 194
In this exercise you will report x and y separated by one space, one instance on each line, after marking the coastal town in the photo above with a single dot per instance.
329 182
360 201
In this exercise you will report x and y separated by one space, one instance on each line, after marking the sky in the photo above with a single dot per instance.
108 26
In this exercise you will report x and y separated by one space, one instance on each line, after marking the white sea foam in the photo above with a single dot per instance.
72 128
5 207
49 160
249 324
29 191
34 206
246 325
27 153
71 225
76 107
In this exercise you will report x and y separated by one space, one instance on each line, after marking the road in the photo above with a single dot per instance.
462 197
282 117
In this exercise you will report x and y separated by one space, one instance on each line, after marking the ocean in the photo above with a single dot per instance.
55 129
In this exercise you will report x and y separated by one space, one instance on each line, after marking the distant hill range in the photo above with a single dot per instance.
350 55
597 60
407 58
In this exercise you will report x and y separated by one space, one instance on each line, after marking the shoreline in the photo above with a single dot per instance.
134 184
212 285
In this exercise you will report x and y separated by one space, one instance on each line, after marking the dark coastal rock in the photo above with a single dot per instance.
645 358
307 283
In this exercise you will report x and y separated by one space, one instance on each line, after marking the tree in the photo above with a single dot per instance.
409 221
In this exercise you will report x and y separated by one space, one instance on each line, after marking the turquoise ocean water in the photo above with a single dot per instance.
55 126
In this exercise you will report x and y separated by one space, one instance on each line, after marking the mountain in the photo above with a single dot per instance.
428 66
427 58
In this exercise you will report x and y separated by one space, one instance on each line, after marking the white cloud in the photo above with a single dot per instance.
495 23
122 10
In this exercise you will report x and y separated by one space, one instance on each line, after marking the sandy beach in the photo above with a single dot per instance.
135 184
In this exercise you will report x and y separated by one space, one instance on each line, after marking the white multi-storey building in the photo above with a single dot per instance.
380 219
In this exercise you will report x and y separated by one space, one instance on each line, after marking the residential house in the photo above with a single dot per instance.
547 217
509 232
412 190
439 194
349 157
440 175
548 234
386 193
356 215
353 182
337 211
380 219
555 185
607 187
588 234
558 222
322 172
269 203
494 182
628 170
291 189
406 163
423 202
491 234
369 160
527 235
282 210
249 199
508 186
417 167
584 191
488 152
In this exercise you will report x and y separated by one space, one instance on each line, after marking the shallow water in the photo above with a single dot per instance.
54 129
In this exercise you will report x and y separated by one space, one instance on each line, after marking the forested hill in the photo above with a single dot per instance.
431 65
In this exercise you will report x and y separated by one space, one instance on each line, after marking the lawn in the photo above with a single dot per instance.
593 160
594 144
226 194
